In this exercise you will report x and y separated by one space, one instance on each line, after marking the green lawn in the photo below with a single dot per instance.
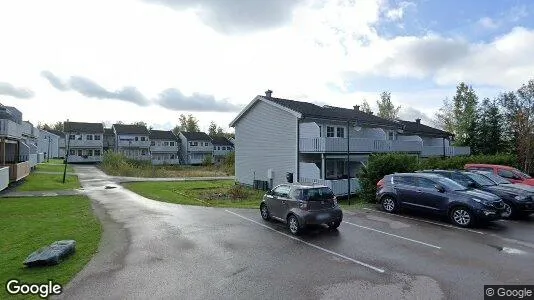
53 168
355 203
47 182
30 223
55 161
203 193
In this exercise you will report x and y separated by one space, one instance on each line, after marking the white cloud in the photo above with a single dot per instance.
396 14
488 23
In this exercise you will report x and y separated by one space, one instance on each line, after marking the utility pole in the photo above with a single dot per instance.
348 160
67 136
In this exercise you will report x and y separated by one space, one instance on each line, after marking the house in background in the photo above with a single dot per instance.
48 143
109 139
277 139
164 147
30 135
221 148
61 142
132 141
84 141
14 152
195 147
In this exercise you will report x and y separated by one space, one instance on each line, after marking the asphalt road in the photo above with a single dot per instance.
165 251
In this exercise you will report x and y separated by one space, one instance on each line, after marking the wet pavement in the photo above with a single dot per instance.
160 250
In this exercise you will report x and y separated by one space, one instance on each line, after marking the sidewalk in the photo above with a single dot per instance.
122 179
15 194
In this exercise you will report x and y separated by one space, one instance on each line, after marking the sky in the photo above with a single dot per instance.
152 60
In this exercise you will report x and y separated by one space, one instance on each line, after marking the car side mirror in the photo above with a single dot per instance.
269 192
440 188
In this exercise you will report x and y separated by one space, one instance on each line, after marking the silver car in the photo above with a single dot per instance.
299 205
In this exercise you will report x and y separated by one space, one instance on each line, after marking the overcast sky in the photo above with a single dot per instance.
150 60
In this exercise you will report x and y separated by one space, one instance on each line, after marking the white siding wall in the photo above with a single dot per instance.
4 177
364 132
309 170
309 130
434 141
409 138
265 138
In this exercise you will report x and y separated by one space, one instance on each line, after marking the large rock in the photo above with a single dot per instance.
51 255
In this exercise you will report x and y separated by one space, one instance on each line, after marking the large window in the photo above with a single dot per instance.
143 152
206 144
80 152
72 136
142 139
136 138
172 144
165 143
89 152
329 131
89 137
97 152
340 132
97 137
72 152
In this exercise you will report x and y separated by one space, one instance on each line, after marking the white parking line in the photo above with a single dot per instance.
310 244
426 221
393 235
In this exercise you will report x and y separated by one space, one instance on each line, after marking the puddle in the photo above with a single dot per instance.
508 250
110 187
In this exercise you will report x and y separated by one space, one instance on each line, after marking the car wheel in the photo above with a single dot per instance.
334 224
265 212
462 217
389 204
509 211
293 224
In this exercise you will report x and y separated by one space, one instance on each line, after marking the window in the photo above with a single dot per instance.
80 137
72 152
143 152
320 131
391 135
152 143
97 137
172 156
136 138
404 180
193 143
142 139
329 131
89 152
171 144
97 152
89 137
72 137
507 174
166 144
80 152
206 144
425 183
214 147
296 194
340 132
282 191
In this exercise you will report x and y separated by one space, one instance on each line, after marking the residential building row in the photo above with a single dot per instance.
86 142
279 139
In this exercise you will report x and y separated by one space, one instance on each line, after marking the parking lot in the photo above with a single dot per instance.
152 249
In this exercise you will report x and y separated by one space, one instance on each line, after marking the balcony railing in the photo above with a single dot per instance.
133 144
10 129
164 149
85 143
18 171
338 186
429 151
358 145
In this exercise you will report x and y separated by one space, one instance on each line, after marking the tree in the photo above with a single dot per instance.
366 108
386 109
465 115
444 118
58 126
140 123
176 130
489 129
188 123
212 129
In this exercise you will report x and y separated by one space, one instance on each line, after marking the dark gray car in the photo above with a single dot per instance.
299 205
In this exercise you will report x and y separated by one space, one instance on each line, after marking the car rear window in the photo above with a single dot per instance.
407 180
317 194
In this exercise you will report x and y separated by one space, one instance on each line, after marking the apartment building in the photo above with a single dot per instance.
133 141
84 141
195 147
221 148
164 147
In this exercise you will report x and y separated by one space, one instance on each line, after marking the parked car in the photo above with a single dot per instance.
299 205
434 193
510 173
505 182
516 201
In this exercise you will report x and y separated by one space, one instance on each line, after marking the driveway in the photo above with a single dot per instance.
160 250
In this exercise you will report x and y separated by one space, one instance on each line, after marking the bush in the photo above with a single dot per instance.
458 162
238 192
118 165
228 164
208 161
380 165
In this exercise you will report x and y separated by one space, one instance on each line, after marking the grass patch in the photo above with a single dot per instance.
47 182
55 161
220 193
53 168
356 203
30 223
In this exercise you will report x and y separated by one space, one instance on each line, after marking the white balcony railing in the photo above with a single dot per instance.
85 143
133 144
429 151
173 149
338 186
358 145
10 129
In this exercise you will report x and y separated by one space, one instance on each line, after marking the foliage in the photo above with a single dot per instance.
208 160
31 223
56 126
366 108
386 109
489 129
458 162
238 191
444 118
188 123
380 165
465 115
228 164
47 182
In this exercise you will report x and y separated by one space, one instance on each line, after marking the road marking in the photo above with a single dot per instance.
393 235
310 244
426 221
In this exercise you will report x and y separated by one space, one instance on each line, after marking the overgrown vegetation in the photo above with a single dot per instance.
31 223
380 165
117 164
220 193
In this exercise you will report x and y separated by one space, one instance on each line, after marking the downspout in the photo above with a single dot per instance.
297 172
348 160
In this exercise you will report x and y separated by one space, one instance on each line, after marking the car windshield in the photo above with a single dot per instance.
521 174
450 184
318 194
495 178
484 181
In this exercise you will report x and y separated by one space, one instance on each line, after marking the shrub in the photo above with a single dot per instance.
458 162
237 192
228 164
208 161
380 165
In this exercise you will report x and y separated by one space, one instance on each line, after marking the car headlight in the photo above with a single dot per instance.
522 198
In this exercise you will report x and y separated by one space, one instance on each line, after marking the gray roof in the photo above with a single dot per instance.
221 141
108 131
83 127
424 130
57 132
130 129
162 135
196 136
310 110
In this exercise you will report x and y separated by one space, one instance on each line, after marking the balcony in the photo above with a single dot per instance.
338 186
18 171
364 145
9 128
85 143
429 151
133 144
200 148
173 149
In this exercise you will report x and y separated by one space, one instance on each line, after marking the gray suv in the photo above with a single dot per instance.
299 205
